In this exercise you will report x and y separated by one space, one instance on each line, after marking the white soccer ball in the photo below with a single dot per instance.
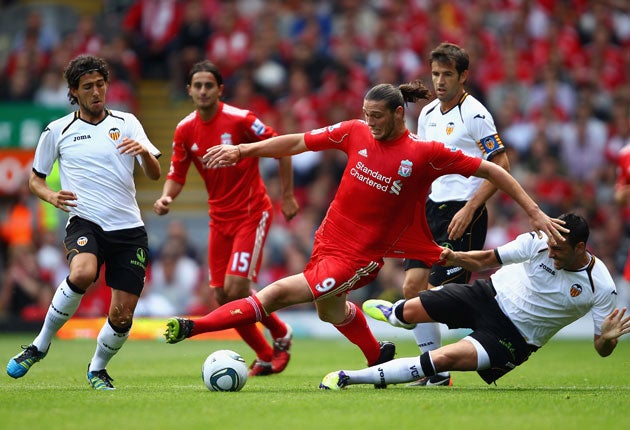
224 370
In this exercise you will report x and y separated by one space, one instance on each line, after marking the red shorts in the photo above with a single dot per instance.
237 248
334 273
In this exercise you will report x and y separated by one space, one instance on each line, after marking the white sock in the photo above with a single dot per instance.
406 369
108 343
64 304
428 338
393 319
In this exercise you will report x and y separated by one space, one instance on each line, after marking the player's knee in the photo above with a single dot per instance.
329 317
82 277
121 320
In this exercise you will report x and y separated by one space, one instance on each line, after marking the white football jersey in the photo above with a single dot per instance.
467 126
92 167
539 299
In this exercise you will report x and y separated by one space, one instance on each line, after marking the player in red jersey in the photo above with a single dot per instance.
240 209
378 211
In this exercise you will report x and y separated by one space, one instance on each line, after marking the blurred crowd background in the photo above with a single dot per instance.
553 73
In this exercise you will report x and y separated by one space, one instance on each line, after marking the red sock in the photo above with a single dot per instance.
356 329
276 326
256 341
230 315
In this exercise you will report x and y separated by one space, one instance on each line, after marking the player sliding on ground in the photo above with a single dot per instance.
541 288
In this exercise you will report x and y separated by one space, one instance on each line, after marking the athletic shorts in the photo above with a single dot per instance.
439 216
475 307
332 274
125 252
237 248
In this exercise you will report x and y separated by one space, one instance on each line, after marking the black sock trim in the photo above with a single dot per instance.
425 363
398 311
73 287
120 330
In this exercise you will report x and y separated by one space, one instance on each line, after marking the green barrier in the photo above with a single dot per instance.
22 123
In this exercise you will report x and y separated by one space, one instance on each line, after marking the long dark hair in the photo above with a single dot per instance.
398 96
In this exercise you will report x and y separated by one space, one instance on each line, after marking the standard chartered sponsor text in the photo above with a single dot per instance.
370 177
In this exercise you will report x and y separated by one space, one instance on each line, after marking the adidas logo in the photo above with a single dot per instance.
194 147
363 152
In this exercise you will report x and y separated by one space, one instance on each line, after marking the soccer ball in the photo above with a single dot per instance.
224 370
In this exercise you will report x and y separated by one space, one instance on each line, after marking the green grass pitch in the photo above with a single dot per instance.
565 385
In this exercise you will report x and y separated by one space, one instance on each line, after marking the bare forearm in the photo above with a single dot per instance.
39 188
151 166
614 326
286 176
171 189
605 347
472 260
279 146
487 188
501 179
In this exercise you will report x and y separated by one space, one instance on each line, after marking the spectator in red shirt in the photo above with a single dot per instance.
150 27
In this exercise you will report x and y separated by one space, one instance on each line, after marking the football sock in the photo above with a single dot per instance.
396 317
274 324
256 341
230 315
63 305
428 337
108 343
396 371
356 329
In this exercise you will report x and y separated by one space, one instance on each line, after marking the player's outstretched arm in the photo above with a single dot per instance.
472 261
540 221
278 146
614 326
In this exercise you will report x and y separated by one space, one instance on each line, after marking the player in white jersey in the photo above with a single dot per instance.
540 288
455 209
96 149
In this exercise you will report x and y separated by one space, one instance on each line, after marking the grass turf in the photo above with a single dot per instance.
565 385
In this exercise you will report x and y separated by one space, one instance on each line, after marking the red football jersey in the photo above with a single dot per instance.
383 189
235 191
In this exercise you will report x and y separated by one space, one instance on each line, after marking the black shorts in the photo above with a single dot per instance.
125 253
474 307
439 216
